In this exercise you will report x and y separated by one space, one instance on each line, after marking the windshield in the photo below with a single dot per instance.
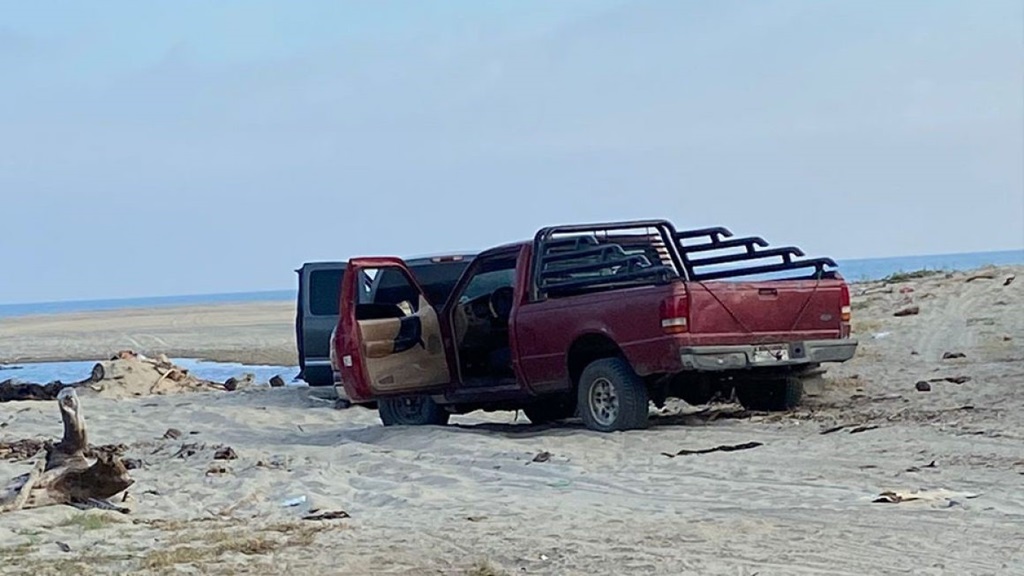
437 279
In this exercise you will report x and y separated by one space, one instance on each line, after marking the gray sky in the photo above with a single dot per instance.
190 146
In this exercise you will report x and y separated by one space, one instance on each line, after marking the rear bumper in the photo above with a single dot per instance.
788 354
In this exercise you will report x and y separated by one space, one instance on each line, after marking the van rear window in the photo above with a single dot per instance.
324 292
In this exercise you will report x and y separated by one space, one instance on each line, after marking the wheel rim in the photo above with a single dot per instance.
410 408
603 403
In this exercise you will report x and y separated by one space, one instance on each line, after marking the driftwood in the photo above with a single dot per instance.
64 475
12 390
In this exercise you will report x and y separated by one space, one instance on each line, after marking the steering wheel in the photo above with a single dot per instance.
500 302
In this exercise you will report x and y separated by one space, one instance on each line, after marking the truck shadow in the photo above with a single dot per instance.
701 417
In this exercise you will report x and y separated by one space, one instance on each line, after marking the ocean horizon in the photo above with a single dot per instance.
854 270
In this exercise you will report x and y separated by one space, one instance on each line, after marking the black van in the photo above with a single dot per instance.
317 307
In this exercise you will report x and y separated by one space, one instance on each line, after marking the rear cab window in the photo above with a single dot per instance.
324 291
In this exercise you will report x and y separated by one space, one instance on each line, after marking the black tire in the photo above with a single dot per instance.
627 405
550 409
412 411
771 395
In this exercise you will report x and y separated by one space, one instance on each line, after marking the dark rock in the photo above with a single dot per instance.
958 379
132 463
953 355
231 384
909 311
923 386
276 382
172 434
225 453
542 457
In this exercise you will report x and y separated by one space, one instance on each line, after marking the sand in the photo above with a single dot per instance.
469 499
256 333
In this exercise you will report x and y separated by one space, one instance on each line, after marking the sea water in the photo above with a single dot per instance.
74 371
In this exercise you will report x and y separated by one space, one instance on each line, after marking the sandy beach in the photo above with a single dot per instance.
480 497
255 333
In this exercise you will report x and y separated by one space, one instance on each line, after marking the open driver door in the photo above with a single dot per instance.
389 333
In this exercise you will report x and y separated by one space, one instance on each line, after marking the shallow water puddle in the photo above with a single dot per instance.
73 371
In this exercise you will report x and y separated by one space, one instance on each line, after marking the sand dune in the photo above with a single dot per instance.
469 499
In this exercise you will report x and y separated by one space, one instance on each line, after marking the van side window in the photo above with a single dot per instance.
324 292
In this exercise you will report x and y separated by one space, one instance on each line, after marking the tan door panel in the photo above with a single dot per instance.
379 336
418 367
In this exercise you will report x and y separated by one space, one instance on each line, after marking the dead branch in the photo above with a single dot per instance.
65 475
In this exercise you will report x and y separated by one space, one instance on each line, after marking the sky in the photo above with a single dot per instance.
164 148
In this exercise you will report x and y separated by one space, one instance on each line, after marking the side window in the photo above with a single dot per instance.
324 288
488 277
386 293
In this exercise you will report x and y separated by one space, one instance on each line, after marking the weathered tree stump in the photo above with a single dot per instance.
64 475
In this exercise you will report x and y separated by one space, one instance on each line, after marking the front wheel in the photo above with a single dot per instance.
611 396
412 411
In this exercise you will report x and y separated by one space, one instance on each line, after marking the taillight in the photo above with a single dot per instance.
674 312
844 301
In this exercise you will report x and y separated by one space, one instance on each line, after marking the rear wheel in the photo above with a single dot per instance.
771 395
412 411
612 397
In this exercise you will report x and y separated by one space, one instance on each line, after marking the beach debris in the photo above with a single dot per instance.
943 496
292 502
234 383
542 457
216 470
953 355
20 449
722 448
65 475
880 335
188 450
132 463
326 515
923 386
958 379
64 547
918 469
908 311
980 277
1009 279
172 434
225 453
11 390
276 382
855 430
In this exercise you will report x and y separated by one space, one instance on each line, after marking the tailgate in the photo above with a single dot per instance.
767 311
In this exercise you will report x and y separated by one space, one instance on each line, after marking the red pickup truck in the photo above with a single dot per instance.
596 320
